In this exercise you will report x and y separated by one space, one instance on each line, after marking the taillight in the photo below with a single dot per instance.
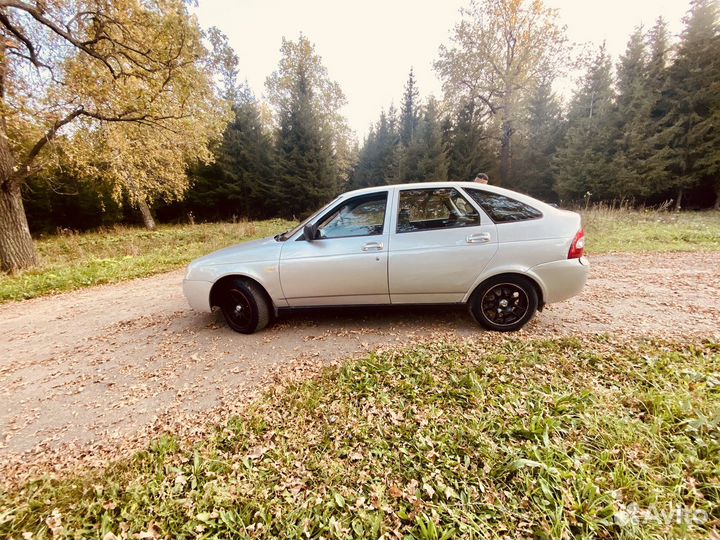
577 246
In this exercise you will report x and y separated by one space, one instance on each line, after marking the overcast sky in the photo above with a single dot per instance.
368 46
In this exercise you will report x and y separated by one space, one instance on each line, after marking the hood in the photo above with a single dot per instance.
267 249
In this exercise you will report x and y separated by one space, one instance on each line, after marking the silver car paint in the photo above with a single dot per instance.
440 266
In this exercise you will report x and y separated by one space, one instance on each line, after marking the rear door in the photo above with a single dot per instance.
347 262
439 243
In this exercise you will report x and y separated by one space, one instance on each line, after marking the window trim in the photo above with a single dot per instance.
477 203
326 214
465 196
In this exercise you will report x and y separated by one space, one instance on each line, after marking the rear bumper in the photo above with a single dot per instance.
561 280
197 294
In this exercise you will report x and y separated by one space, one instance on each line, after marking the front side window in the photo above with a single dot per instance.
436 208
502 209
359 216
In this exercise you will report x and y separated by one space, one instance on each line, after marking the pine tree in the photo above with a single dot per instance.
687 137
304 178
583 162
378 158
543 134
651 182
408 129
468 144
427 154
238 182
632 111
409 111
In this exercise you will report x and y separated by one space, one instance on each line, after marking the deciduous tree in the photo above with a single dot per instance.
500 50
127 66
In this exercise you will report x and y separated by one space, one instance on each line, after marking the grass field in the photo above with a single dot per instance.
507 438
82 260
619 230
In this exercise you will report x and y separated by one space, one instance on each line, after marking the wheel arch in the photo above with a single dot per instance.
535 282
218 285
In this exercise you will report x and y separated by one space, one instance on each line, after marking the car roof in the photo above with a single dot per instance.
463 184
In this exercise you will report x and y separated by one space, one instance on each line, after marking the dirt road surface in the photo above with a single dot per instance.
92 373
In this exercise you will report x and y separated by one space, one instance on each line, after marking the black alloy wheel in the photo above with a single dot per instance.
505 303
245 306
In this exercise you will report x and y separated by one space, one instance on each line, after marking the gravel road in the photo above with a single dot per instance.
92 372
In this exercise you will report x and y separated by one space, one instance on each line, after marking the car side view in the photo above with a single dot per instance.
503 254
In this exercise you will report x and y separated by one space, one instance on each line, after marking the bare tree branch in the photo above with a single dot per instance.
37 14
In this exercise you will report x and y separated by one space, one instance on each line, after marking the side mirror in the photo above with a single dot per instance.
310 232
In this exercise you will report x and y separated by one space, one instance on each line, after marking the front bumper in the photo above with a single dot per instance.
561 280
197 294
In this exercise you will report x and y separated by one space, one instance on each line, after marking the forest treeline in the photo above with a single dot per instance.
643 128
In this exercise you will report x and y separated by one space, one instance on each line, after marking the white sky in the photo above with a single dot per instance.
368 46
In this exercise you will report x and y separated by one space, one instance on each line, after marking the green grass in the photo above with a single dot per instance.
641 231
516 439
82 260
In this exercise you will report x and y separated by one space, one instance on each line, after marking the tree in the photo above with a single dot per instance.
632 111
378 162
326 100
426 156
636 157
239 182
469 148
542 133
687 143
500 50
304 176
583 161
97 65
409 111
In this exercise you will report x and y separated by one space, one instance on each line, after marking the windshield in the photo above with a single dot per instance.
288 234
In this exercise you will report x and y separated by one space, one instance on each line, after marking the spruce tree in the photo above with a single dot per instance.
542 135
632 110
651 182
378 158
686 143
409 111
238 182
304 178
583 162
468 144
426 156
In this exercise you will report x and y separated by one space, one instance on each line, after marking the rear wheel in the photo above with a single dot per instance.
504 303
244 306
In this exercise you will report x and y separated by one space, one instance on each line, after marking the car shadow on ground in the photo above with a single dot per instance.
382 318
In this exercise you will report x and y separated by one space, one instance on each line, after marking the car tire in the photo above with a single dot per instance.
504 303
245 306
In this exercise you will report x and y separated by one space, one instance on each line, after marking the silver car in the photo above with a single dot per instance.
503 254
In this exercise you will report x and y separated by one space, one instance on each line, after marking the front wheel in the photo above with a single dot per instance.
244 306
504 303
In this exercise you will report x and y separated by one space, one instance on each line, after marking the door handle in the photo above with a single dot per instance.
372 246
478 238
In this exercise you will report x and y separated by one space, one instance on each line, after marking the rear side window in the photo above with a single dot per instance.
502 209
434 208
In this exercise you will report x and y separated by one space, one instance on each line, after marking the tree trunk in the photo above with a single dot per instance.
716 206
146 215
506 140
505 154
678 201
17 251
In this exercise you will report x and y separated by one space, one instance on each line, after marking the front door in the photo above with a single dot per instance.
438 247
347 261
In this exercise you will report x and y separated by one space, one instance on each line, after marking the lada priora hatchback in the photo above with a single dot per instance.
503 254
